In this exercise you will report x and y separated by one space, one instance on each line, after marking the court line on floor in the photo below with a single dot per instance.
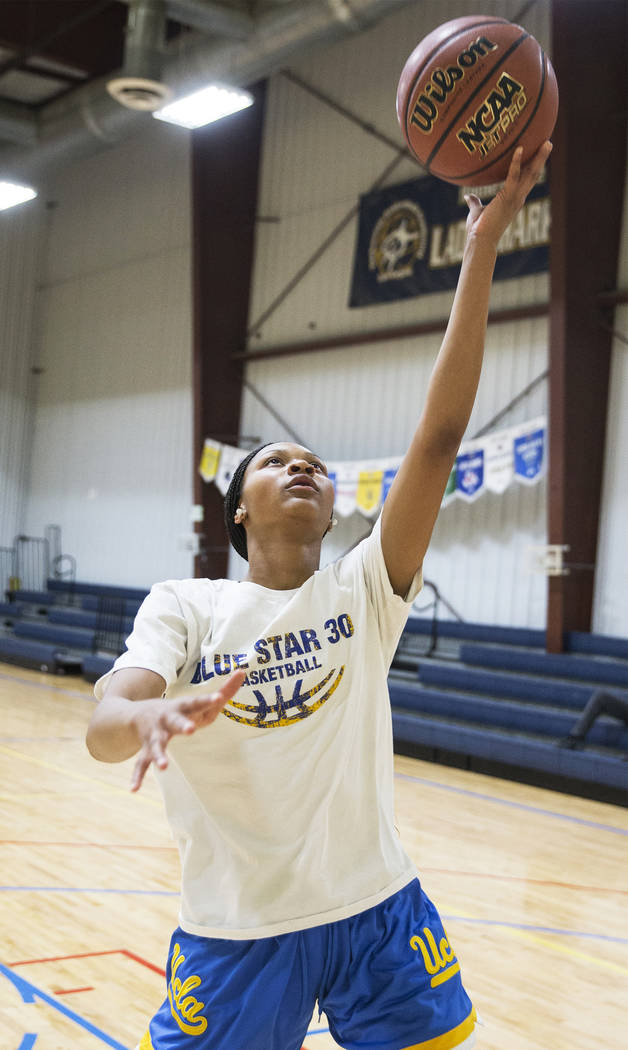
518 878
28 1041
513 804
538 929
115 951
563 949
88 889
90 955
31 992
450 918
432 871
69 773
88 845
51 688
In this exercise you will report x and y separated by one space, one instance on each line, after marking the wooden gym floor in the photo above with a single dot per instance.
532 886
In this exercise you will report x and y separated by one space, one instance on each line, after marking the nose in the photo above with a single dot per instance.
301 466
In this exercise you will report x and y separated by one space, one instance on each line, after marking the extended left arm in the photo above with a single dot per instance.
415 497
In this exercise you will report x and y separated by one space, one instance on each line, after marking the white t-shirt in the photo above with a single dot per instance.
283 808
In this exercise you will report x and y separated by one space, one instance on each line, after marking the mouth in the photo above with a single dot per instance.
302 481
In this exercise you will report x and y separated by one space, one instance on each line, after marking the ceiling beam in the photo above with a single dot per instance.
17 123
210 17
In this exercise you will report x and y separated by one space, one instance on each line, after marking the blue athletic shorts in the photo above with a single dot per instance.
387 979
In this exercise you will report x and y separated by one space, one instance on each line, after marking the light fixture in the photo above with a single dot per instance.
11 194
204 106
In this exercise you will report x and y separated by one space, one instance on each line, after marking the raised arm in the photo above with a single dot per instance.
415 496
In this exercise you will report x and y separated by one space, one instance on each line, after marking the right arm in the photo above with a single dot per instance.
132 717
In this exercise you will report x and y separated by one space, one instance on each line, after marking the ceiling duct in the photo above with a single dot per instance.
88 119
139 86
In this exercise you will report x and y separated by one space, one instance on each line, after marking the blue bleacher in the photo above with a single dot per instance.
35 655
105 590
477 632
94 666
81 618
601 671
56 634
491 698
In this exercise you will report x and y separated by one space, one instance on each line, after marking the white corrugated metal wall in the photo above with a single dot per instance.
19 249
610 609
112 421
112 443
365 400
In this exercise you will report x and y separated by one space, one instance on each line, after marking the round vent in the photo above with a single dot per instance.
138 93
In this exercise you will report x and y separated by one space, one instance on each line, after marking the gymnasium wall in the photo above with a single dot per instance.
610 610
19 242
365 400
112 420
98 299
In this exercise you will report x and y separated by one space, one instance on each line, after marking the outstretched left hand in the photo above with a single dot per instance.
491 221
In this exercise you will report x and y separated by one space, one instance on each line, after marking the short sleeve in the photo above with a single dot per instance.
367 562
158 641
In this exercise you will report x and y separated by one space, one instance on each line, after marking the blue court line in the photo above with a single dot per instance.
28 1042
449 918
87 889
515 805
30 993
42 685
535 929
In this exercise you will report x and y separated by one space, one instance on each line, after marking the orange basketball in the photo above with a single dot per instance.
470 93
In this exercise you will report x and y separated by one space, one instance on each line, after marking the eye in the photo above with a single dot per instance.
273 459
318 466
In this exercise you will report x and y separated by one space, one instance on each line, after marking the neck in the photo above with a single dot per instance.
282 565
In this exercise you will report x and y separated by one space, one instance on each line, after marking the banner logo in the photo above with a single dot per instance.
398 240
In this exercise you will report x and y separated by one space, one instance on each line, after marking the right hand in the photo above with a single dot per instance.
156 721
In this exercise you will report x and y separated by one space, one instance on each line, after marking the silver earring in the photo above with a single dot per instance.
332 524
240 515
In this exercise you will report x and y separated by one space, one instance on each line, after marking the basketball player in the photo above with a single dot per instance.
264 707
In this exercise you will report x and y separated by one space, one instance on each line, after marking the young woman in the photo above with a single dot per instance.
295 886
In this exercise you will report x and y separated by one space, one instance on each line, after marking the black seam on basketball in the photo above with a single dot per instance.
456 117
445 43
512 144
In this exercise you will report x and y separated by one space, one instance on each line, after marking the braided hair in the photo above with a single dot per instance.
237 533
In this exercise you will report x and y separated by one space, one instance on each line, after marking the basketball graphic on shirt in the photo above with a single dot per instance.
287 710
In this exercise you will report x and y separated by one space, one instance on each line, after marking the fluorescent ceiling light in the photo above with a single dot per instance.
12 194
204 106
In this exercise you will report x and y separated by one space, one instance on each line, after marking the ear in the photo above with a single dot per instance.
332 524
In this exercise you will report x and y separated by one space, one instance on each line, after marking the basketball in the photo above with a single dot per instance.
471 92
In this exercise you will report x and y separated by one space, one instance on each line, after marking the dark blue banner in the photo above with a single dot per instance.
411 238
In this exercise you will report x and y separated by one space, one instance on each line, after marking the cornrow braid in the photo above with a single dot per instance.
237 533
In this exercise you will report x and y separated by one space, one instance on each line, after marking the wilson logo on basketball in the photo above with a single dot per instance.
437 958
443 82
493 118
183 1006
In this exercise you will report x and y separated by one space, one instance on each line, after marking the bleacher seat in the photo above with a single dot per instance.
56 634
95 666
39 656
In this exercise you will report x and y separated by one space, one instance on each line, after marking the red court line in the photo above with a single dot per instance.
89 955
70 991
523 878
